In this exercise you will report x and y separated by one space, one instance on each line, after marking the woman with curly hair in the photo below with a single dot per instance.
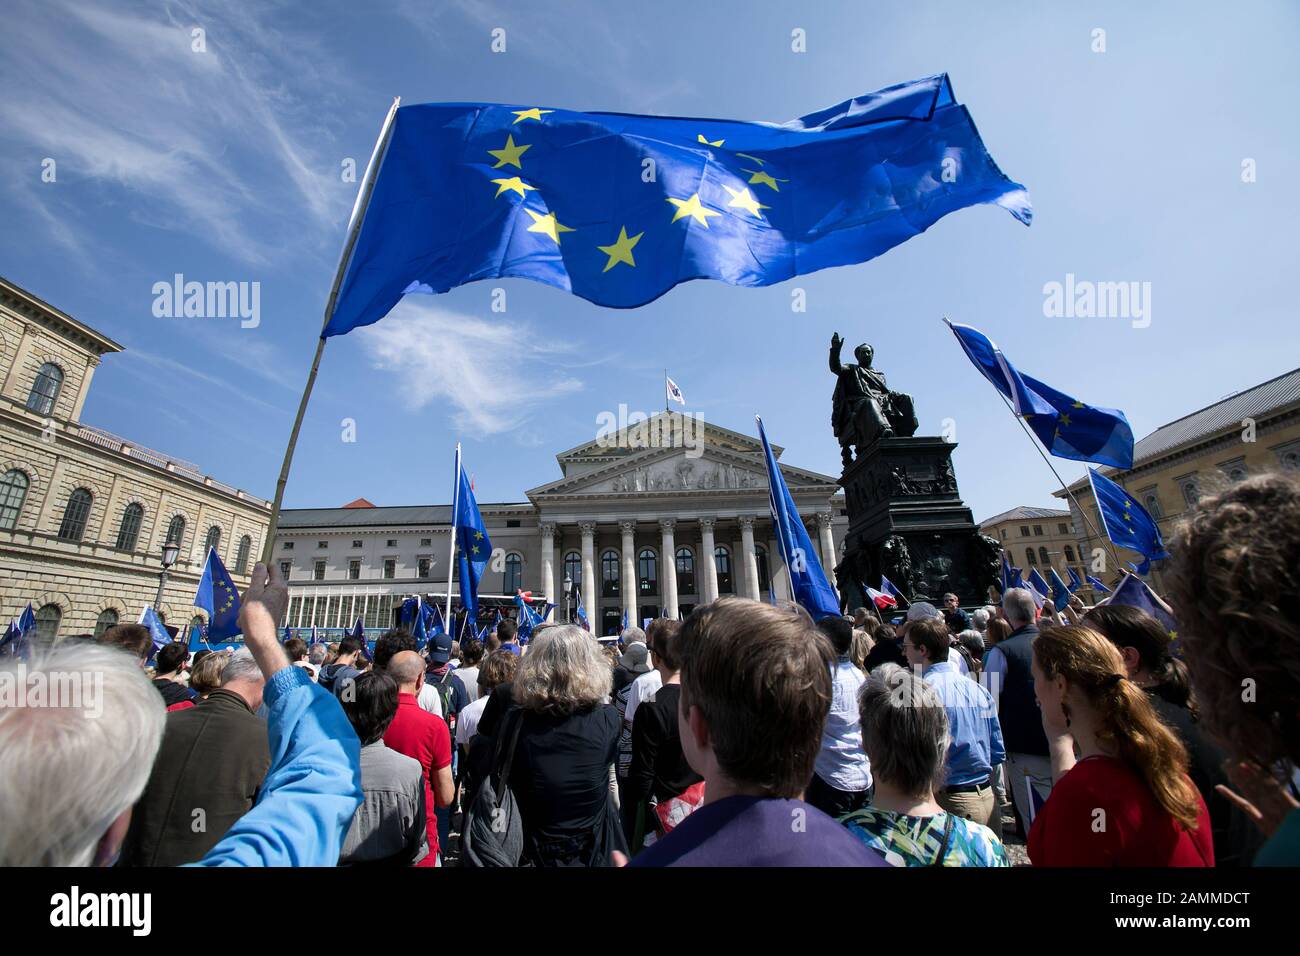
1235 588
1126 800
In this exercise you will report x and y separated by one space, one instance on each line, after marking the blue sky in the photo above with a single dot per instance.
225 165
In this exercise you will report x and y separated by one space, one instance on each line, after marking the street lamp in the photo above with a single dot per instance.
568 593
170 552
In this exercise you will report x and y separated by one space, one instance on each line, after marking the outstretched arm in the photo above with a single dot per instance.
837 343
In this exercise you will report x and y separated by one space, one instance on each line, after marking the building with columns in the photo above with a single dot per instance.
84 513
640 528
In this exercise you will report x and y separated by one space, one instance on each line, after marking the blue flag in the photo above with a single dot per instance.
1126 522
198 639
581 612
623 625
1134 592
1039 582
27 622
891 589
807 579
1040 597
1060 592
469 191
314 638
359 631
409 608
217 596
17 639
158 633
1075 582
1010 574
1067 427
473 547
1097 585
418 626
433 623
288 634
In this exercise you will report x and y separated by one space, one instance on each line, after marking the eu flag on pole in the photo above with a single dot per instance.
418 629
158 633
469 191
807 579
1067 427
410 607
1060 592
1097 585
1075 582
1039 582
473 547
198 639
359 631
1134 592
217 596
1126 522
433 623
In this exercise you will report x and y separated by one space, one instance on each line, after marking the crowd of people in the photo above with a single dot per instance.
745 735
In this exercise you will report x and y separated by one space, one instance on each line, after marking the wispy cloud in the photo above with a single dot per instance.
457 359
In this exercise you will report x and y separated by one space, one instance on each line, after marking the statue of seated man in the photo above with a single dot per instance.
864 409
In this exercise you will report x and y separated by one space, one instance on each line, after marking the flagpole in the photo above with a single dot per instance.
354 230
1038 448
451 555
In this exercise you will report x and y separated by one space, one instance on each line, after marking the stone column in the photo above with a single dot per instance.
828 543
589 585
548 560
629 582
668 591
710 567
751 562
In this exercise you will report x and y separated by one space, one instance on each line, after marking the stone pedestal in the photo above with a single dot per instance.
907 520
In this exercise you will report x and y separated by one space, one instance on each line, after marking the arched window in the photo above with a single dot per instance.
1029 553
1152 504
1069 554
176 531
573 567
128 533
1190 494
74 516
1042 556
107 618
45 390
647 565
1237 473
47 623
609 573
13 492
196 624
1291 461
241 557
722 563
760 558
685 571
514 579
213 540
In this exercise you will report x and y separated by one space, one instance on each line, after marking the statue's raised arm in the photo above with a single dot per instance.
837 343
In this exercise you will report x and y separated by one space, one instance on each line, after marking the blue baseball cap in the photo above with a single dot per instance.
440 648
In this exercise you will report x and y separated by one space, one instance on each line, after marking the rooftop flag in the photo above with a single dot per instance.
618 208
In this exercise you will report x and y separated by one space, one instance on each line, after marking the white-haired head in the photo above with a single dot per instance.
242 676
75 758
1018 607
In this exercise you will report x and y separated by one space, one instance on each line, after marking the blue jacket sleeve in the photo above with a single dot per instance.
312 788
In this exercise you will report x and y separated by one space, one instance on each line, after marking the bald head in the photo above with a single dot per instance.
407 668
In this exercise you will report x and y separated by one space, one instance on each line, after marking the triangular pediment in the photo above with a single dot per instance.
624 434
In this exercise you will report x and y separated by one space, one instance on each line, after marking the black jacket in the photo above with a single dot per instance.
172 692
1022 721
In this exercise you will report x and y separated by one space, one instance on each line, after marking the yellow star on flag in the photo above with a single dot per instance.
708 142
509 153
744 199
547 225
1065 419
691 207
621 250
478 535
513 184
761 162
758 176
533 114
1078 405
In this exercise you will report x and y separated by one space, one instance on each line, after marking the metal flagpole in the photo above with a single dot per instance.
451 556
1034 441
354 229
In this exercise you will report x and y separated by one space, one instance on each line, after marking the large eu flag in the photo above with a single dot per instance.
1067 427
217 596
473 547
1126 522
807 579
619 208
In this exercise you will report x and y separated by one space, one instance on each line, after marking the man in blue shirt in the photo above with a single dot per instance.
975 737
755 691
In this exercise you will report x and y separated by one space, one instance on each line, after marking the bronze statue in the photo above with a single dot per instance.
864 410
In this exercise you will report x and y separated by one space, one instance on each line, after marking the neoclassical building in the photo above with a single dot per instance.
84 514
642 530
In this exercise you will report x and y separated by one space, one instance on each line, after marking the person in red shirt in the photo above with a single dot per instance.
1127 799
417 733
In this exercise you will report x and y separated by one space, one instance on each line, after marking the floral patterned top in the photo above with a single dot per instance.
915 841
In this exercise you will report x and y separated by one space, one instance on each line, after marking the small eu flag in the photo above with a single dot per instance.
1126 522
470 191
1039 583
1097 585
1075 582
807 579
473 548
157 632
1134 592
217 596
418 627
1067 427
1060 591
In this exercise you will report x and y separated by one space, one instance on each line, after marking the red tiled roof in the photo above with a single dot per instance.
360 503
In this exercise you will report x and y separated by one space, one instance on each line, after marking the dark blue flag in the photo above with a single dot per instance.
1134 592
1060 591
359 631
1126 522
288 634
581 613
619 208
1075 582
418 626
1097 585
409 608
1039 583
198 639
157 632
433 623
473 547
1068 428
807 579
217 596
